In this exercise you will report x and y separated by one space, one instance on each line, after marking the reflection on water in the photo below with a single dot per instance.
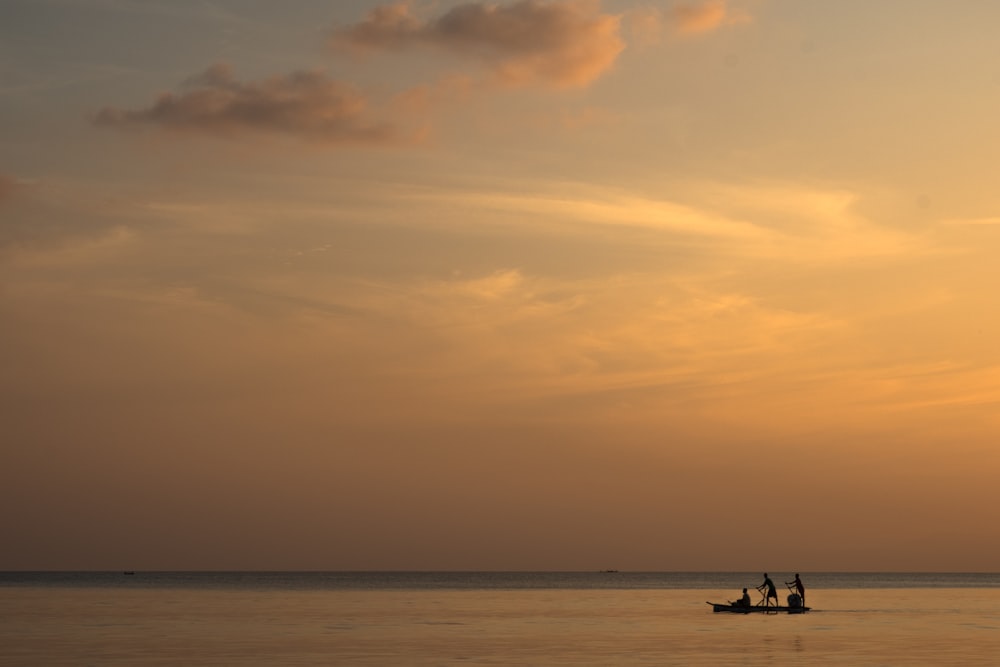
158 626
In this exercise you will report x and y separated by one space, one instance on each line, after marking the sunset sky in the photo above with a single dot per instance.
519 285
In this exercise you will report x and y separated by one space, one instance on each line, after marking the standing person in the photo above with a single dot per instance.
770 591
798 587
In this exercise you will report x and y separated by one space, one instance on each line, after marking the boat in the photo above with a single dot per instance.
756 609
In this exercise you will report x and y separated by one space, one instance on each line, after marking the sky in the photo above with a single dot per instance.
521 285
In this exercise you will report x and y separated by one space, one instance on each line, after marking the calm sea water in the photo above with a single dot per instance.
177 618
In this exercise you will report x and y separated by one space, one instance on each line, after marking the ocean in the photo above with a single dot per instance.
490 618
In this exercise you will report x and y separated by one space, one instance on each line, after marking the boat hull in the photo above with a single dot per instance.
757 609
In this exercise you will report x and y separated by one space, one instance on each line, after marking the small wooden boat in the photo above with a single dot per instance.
755 609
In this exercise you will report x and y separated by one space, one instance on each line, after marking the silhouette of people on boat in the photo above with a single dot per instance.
799 588
769 591
743 601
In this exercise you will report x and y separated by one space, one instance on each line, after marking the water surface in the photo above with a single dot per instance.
489 619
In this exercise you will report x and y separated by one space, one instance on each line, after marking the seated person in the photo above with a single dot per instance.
744 601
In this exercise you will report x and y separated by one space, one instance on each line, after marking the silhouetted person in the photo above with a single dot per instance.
743 601
798 587
769 591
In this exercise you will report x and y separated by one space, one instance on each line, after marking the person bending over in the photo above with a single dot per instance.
769 591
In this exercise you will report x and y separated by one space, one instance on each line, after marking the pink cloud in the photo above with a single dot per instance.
649 25
304 104
561 43
704 16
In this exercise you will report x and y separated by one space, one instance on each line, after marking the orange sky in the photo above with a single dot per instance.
542 284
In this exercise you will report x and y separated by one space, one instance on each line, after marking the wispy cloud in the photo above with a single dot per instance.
650 24
37 218
561 43
526 337
973 222
8 185
304 104
700 17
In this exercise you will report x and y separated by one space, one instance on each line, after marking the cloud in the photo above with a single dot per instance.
699 17
8 186
562 43
45 216
973 222
303 104
648 24
495 286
